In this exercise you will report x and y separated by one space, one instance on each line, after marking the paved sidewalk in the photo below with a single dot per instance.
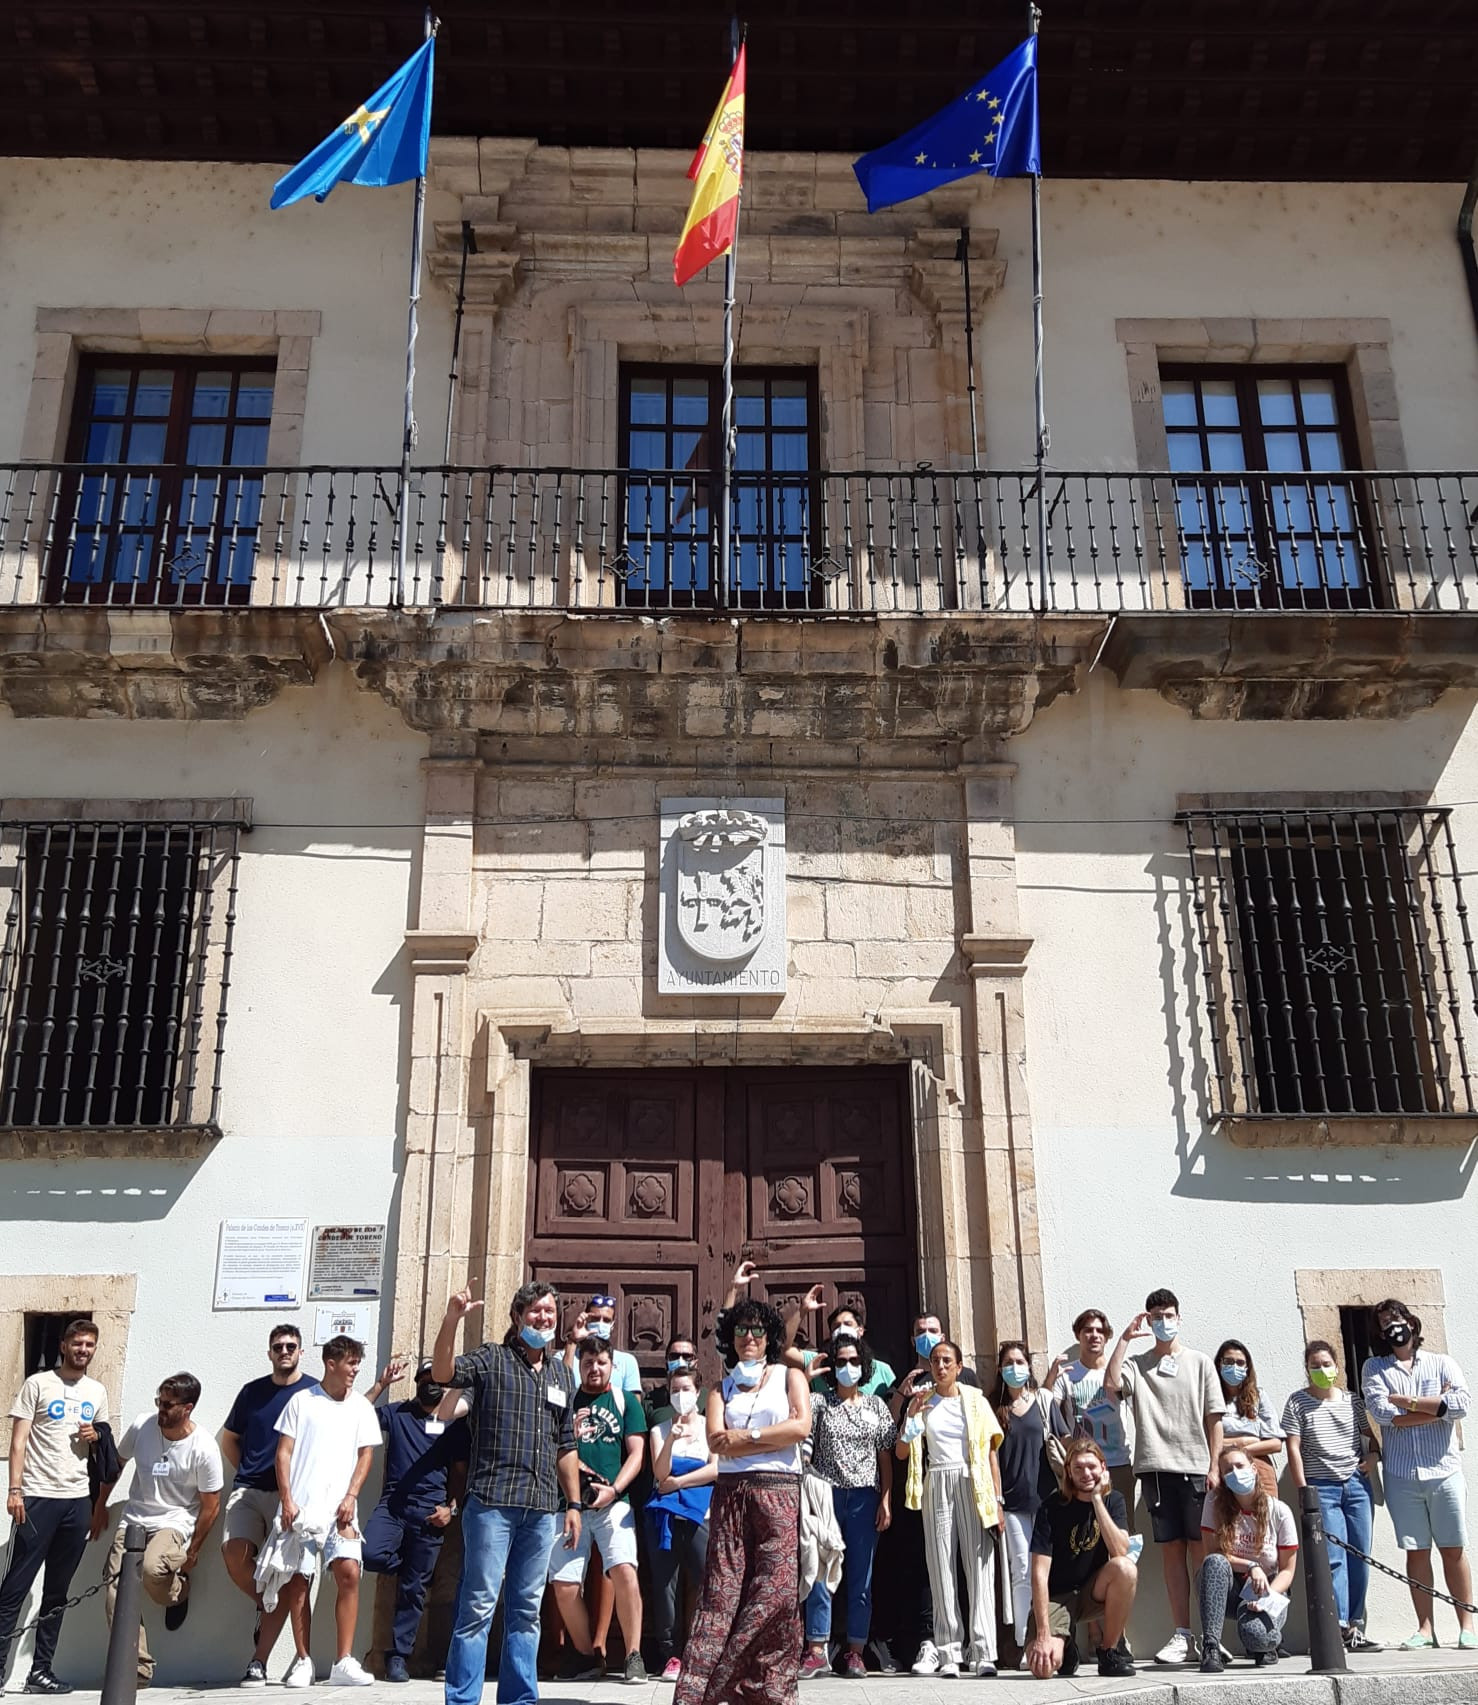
1387 1678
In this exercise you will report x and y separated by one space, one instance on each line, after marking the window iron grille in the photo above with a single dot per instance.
115 968
1337 962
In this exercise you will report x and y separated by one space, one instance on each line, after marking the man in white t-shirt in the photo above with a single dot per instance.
327 1440
177 1479
53 1425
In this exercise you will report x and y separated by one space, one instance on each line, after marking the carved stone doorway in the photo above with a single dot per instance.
653 1185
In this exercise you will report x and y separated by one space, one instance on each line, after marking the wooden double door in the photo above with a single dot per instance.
653 1185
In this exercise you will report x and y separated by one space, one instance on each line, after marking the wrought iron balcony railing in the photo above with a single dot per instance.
915 540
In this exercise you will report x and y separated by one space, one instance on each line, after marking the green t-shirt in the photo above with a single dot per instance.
882 1378
602 1428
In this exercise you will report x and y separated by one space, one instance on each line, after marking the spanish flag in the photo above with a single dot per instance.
717 170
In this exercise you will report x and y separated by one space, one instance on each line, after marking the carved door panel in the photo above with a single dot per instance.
824 1191
652 1185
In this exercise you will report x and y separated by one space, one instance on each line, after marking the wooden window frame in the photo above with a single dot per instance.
770 596
1270 594
171 473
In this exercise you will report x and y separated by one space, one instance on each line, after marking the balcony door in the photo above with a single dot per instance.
149 511
670 424
1267 517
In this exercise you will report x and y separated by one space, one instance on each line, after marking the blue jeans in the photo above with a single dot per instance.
504 1551
1349 1513
857 1516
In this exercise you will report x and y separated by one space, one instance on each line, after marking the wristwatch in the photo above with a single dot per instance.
754 1433
571 1505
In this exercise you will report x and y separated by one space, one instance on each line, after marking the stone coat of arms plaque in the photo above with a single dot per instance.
721 906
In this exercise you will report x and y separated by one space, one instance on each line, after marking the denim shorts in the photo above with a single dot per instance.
1425 1513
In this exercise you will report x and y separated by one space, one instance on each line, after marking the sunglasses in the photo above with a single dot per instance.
757 1332
283 1344
601 1302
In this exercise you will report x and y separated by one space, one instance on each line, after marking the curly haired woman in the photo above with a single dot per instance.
745 1644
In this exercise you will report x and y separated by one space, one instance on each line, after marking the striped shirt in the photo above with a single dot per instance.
522 1422
1415 1453
1328 1430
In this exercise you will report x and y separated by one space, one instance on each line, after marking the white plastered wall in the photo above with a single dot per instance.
315 1052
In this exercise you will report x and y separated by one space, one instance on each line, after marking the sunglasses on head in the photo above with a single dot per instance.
601 1302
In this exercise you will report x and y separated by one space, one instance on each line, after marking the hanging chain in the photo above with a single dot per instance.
66 1605
1400 1575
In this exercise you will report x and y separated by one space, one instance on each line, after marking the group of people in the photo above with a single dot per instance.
775 1494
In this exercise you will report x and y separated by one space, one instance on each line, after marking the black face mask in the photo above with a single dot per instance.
1397 1333
429 1393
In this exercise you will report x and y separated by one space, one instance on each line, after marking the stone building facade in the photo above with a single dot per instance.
1002 1077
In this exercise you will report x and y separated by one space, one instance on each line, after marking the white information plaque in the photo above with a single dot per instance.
259 1263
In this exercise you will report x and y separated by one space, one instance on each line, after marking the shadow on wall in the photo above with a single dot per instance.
88 1192
1213 1168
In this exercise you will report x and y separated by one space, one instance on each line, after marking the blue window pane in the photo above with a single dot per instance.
749 409
155 392
254 398
145 442
1185 453
1333 509
648 402
1178 397
648 449
1225 450
212 399
788 404
1317 396
206 445
104 442
1275 402
690 449
1285 453
749 452
690 402
788 452
248 447
110 391
1219 400
1325 450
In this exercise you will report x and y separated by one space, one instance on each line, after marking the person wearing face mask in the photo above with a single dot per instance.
949 1439
1416 1398
844 1321
523 1470
1089 1412
903 1608
1176 1400
1248 1417
852 1439
1031 1454
597 1320
425 1475
611 1427
1251 1552
744 1646
681 1355
1330 1449
683 1472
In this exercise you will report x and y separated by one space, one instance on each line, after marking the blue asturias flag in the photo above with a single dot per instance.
384 142
991 128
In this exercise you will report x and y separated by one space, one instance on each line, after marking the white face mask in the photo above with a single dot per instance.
684 1402
749 1373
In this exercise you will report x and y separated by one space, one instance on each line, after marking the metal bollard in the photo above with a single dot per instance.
121 1674
1326 1642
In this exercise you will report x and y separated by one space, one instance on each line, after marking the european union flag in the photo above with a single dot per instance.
384 142
990 128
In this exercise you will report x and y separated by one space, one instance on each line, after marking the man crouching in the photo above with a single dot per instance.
1081 1569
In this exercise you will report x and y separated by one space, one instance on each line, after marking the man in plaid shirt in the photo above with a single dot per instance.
523 1471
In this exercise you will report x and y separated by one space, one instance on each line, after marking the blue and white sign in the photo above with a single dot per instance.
259 1263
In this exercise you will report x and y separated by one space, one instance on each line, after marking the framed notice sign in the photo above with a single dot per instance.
259 1264
347 1261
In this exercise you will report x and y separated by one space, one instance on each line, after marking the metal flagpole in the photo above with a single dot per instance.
726 467
408 443
469 247
962 255
1044 437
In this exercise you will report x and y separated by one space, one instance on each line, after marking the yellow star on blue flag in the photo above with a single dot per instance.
384 141
991 128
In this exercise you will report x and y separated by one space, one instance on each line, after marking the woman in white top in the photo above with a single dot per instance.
959 1490
745 1644
1251 1554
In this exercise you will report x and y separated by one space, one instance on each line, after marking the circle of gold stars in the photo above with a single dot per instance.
993 119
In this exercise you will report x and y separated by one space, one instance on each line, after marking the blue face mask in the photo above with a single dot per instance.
1241 1480
676 1362
1167 1331
926 1341
749 1373
537 1337
1015 1375
1233 1374
599 1329
848 1373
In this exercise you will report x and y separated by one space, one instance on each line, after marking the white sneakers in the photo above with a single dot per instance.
927 1662
349 1672
299 1673
1176 1651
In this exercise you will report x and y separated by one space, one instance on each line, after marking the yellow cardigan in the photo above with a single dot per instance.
982 1433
